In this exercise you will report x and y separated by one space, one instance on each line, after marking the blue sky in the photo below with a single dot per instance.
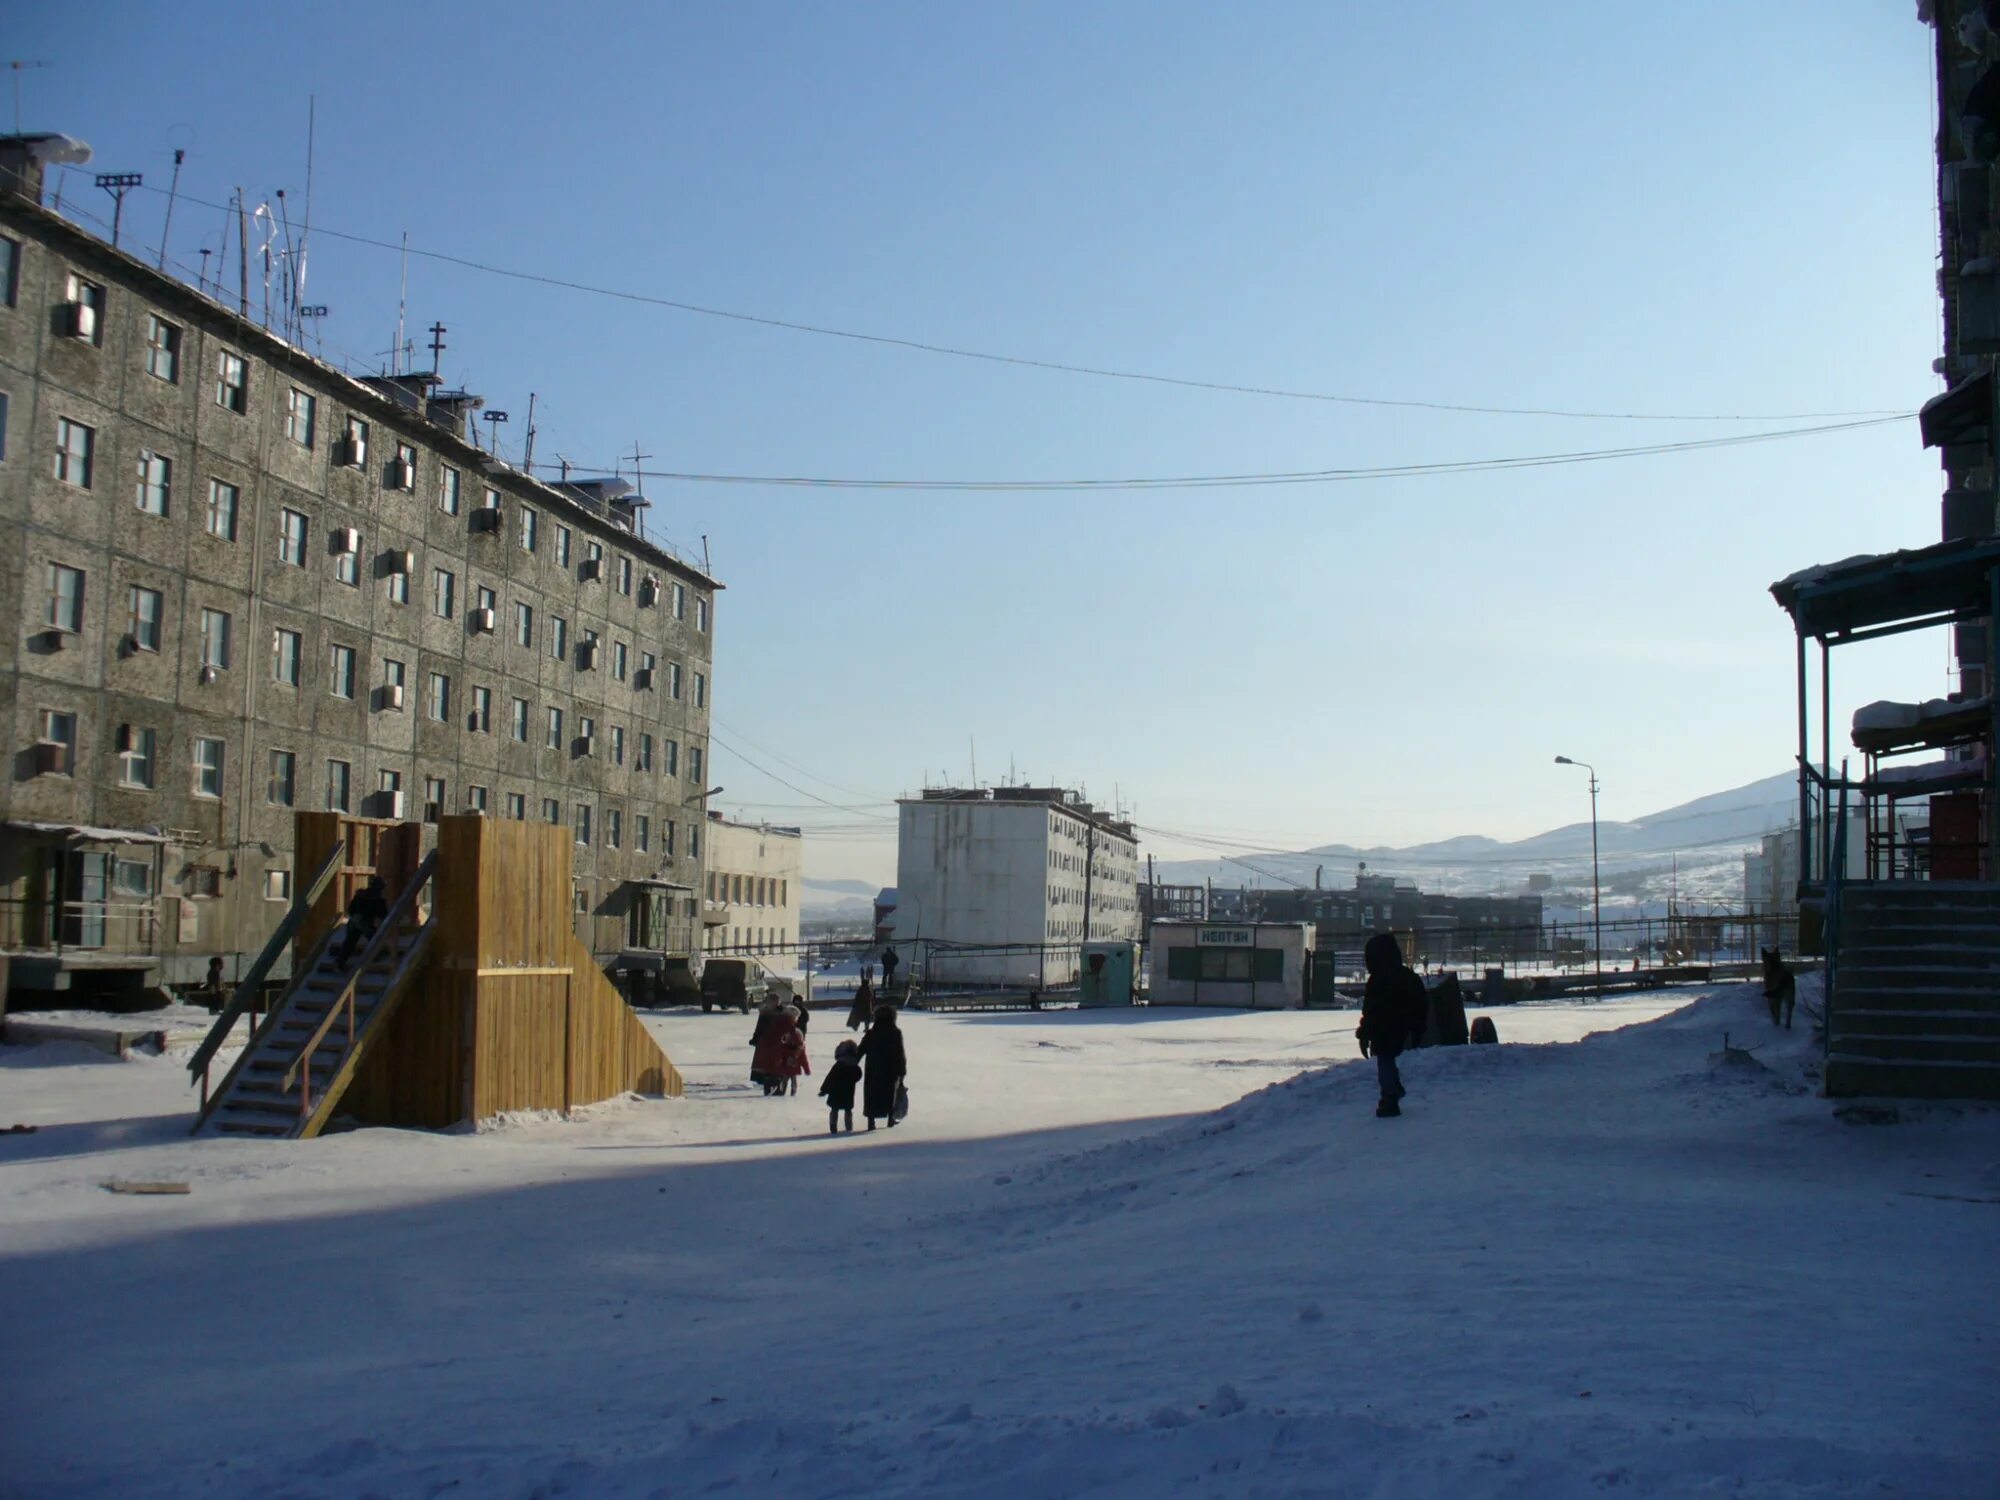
1708 208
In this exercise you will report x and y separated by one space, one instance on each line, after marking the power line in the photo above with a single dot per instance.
953 351
717 739
1291 477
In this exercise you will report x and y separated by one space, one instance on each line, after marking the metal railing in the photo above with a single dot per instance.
250 986
113 927
1836 882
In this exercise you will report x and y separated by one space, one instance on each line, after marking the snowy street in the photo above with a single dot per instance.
1110 1254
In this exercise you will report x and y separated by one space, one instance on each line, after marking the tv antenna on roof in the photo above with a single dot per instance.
17 65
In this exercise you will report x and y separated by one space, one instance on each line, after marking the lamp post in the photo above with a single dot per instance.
1596 890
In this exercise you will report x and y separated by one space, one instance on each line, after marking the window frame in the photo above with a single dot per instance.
165 350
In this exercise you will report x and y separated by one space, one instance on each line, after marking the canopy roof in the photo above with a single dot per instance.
1952 580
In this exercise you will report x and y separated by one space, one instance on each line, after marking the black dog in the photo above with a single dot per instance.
1780 987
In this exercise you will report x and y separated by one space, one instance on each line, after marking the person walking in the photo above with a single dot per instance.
1393 1012
863 1010
838 1090
884 1065
364 915
766 1041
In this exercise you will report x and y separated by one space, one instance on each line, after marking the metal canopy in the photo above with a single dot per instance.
1926 585
1963 414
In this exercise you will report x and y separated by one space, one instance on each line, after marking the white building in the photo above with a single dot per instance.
753 891
1255 965
1001 884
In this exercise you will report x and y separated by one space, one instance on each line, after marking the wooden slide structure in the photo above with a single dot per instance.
475 997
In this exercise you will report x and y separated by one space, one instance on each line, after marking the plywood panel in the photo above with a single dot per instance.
415 1073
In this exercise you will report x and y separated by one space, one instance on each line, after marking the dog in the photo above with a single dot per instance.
1781 989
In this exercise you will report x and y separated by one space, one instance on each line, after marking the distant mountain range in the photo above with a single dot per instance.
1707 835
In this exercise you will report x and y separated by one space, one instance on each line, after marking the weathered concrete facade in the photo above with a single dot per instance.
238 582
752 891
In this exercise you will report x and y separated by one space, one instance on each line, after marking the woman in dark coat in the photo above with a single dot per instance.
883 1066
863 1009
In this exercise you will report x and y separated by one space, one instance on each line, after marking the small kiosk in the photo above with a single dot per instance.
1108 972
1252 965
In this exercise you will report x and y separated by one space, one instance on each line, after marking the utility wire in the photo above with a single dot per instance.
716 739
1101 372
1290 477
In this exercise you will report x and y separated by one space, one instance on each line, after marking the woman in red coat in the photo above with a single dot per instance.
781 1051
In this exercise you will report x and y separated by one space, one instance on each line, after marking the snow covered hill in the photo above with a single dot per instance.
1627 1264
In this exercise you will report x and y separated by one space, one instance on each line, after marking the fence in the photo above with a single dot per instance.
114 927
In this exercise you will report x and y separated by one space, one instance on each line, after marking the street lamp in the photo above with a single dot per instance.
1596 890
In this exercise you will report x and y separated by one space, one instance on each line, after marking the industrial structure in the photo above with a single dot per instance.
1003 884
247 583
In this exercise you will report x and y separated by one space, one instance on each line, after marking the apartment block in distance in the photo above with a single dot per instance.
752 891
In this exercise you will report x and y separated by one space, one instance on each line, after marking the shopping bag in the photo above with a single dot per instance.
901 1108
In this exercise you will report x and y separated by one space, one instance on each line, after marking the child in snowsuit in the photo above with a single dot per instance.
838 1090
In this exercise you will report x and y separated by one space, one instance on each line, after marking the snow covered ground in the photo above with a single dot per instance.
1144 1254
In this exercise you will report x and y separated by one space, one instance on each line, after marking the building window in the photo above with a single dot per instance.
76 445
593 555
440 697
518 720
672 764
3 427
339 786
551 811
163 349
694 764
667 845
156 479
647 662
624 575
433 798
530 529
341 672
403 473
645 760
232 382
614 828
618 660
10 271
444 589
389 794
583 822
448 488
558 638
132 877
284 784
207 767
277 885
215 639
475 799
586 730
354 444
694 841
517 806
87 300
481 720
394 676
292 529
491 501
701 690
147 605
680 601
555 739
59 729
562 546
524 624
286 648
347 565
488 600
701 615
221 518
301 408
138 761
674 680
642 832
617 744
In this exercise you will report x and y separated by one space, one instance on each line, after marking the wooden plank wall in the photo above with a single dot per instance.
374 847
511 1011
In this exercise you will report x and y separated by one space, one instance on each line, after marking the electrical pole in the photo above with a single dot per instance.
437 331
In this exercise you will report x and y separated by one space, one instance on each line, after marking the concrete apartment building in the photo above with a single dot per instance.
752 891
1030 871
244 582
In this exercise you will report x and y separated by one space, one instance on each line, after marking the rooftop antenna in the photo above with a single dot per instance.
242 257
639 508
528 454
118 184
17 65
972 747
305 226
704 556
402 308
180 155
493 419
288 294
437 331
202 285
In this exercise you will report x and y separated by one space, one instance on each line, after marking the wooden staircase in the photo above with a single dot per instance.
1915 1009
292 1073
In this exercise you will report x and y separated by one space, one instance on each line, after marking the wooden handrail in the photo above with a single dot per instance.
251 983
301 1067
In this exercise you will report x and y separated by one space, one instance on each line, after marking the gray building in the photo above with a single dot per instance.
244 582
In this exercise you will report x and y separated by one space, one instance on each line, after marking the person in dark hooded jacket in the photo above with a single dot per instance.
1393 1011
